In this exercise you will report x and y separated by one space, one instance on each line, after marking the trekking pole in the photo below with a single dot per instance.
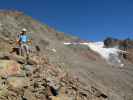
30 44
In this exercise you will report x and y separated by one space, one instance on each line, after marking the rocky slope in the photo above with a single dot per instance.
56 72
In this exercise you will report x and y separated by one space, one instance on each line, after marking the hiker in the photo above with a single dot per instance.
23 42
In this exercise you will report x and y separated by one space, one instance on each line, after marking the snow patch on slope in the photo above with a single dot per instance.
111 55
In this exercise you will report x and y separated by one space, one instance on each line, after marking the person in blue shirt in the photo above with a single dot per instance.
23 40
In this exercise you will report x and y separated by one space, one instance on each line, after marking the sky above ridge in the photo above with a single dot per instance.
87 19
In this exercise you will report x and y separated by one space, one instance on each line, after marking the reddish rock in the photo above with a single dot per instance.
9 68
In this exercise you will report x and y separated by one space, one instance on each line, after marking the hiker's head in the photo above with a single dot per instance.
23 31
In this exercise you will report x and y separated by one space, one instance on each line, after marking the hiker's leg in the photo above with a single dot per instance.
26 49
22 50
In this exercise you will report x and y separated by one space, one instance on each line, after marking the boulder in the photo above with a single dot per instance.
29 95
9 68
61 97
3 91
17 58
18 82
28 68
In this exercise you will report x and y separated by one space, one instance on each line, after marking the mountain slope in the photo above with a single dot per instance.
94 73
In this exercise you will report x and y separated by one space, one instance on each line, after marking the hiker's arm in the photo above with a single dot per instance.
29 40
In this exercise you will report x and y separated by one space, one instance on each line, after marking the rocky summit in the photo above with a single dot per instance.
55 71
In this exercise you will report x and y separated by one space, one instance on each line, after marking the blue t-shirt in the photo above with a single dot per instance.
24 38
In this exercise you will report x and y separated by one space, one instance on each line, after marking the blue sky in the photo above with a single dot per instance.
88 19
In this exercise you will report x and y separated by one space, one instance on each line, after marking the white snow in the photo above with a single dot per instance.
111 55
67 43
